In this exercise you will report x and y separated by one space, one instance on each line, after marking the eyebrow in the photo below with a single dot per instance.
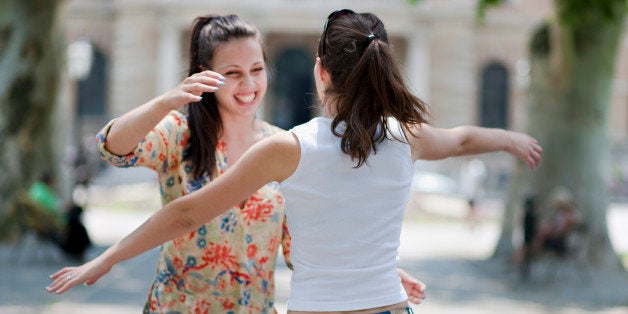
237 66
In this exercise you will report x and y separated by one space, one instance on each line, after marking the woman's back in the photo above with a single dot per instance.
346 221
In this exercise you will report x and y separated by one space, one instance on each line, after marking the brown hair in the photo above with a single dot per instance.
208 33
366 83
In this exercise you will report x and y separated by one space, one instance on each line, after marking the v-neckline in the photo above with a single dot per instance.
222 149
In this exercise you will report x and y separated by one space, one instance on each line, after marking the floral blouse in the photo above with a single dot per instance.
226 265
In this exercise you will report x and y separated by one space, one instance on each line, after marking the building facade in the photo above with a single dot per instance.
469 73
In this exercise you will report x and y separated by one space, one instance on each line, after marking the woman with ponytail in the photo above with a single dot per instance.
345 178
190 135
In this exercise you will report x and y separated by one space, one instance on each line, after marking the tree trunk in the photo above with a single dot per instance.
577 149
30 60
572 74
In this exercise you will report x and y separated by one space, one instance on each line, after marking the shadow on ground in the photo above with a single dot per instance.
493 286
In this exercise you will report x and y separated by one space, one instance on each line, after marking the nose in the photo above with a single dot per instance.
248 81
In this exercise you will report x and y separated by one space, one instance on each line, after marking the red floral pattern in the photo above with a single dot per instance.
226 265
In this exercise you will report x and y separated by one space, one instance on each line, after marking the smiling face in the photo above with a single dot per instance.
241 62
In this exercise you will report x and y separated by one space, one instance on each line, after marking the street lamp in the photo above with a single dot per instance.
80 55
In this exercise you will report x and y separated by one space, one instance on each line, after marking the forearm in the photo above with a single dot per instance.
166 224
129 129
479 140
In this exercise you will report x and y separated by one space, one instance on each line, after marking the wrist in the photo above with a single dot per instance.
162 105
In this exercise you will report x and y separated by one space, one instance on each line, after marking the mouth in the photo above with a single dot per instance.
247 98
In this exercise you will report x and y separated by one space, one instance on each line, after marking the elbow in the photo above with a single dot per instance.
184 220
184 223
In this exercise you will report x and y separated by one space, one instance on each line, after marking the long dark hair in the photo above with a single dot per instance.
208 33
366 83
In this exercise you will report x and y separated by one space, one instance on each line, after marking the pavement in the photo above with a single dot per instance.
449 255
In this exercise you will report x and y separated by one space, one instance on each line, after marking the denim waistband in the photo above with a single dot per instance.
407 310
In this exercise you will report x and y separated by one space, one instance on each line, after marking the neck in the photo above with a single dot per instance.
329 110
238 128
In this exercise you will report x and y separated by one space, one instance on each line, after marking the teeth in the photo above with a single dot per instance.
246 98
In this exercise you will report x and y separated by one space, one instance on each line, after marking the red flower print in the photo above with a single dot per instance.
201 307
177 120
219 254
251 250
257 209
221 285
178 263
221 146
161 157
272 244
173 162
182 298
228 305
184 139
149 146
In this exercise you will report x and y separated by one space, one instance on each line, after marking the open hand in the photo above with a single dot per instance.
415 289
525 148
68 277
191 89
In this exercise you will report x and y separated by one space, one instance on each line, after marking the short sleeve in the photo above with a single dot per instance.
159 150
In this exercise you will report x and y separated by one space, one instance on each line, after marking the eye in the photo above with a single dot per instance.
232 73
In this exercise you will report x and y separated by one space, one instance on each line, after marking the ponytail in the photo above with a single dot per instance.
367 85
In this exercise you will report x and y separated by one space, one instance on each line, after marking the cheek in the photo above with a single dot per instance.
262 83
223 93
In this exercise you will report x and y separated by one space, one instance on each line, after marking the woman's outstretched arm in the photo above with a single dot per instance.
431 143
273 159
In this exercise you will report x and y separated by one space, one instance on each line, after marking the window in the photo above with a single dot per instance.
293 88
494 96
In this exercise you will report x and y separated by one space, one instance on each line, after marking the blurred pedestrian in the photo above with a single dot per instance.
552 233
61 223
472 186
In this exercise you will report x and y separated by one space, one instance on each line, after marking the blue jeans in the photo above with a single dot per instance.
407 310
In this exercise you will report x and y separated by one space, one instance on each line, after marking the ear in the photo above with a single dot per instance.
322 74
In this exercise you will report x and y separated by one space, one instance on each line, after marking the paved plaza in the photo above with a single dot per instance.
450 256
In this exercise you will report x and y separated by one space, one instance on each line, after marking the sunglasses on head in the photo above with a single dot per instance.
331 16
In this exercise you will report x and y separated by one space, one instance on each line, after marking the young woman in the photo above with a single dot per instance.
345 178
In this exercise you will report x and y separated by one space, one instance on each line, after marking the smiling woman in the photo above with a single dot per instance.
228 263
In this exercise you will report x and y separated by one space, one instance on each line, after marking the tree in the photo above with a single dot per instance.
572 61
30 63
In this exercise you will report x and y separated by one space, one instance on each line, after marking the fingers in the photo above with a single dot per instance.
62 281
206 81
192 88
415 289
534 157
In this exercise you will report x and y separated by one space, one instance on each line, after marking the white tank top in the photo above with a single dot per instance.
345 222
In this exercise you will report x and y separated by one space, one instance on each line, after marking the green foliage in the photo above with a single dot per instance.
483 5
540 44
590 12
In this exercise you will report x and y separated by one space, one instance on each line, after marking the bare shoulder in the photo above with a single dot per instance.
284 141
280 153
417 135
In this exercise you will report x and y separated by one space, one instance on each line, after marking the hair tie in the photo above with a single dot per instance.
369 39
